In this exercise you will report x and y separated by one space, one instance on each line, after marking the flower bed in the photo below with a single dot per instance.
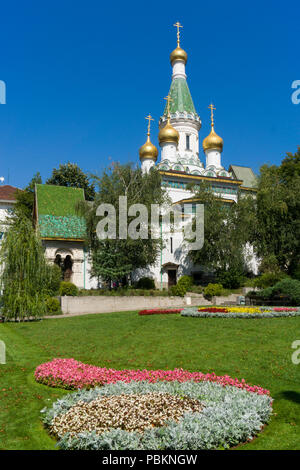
240 312
162 415
71 375
157 311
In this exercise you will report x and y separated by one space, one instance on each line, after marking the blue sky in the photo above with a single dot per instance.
81 77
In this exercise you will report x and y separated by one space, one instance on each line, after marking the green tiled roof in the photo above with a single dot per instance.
56 212
181 97
244 174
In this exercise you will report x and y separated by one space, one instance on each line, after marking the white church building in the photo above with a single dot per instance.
180 164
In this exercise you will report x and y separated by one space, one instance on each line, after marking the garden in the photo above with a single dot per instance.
219 370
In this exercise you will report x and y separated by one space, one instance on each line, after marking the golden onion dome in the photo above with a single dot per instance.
148 151
213 141
178 54
168 134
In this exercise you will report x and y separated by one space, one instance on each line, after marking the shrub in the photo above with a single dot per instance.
145 283
197 289
268 279
53 285
289 287
53 306
185 281
68 288
231 279
212 290
178 290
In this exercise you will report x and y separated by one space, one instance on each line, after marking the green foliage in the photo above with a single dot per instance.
68 288
130 292
71 175
179 290
25 273
145 283
25 198
269 264
55 277
53 306
185 281
296 273
276 231
227 229
113 260
231 279
268 279
212 290
286 287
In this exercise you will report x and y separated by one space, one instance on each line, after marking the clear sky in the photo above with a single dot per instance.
81 77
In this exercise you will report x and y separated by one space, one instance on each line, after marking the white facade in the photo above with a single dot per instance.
179 165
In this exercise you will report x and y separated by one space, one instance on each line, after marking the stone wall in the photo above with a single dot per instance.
106 304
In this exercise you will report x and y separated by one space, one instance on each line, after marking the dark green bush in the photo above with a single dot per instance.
212 290
296 273
231 279
53 306
68 288
269 279
289 287
145 283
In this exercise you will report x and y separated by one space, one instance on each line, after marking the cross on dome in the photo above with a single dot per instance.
149 118
178 26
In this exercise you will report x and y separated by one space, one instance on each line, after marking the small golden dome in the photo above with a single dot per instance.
168 134
213 141
178 54
148 151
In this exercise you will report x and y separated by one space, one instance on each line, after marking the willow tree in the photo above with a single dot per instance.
25 274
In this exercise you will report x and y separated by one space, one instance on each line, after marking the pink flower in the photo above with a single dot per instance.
72 374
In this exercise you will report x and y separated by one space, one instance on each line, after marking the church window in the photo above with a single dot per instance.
187 142
171 244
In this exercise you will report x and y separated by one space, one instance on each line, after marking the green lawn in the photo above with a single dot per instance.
257 350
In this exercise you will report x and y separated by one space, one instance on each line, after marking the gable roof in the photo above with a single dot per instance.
8 193
245 174
56 213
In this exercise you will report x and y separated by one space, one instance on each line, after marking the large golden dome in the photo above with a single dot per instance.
213 141
148 151
178 54
168 134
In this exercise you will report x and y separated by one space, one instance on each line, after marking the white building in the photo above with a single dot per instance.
183 162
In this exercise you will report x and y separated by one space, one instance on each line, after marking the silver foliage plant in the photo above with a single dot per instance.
193 312
230 416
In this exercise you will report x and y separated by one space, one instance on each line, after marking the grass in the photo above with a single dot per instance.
258 350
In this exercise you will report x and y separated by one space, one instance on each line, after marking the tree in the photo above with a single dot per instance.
115 259
72 176
25 198
26 278
226 233
277 226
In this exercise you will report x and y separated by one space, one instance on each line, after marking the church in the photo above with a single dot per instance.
180 164
62 230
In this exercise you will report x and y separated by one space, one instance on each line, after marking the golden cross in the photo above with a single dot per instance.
168 99
212 108
149 118
178 26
